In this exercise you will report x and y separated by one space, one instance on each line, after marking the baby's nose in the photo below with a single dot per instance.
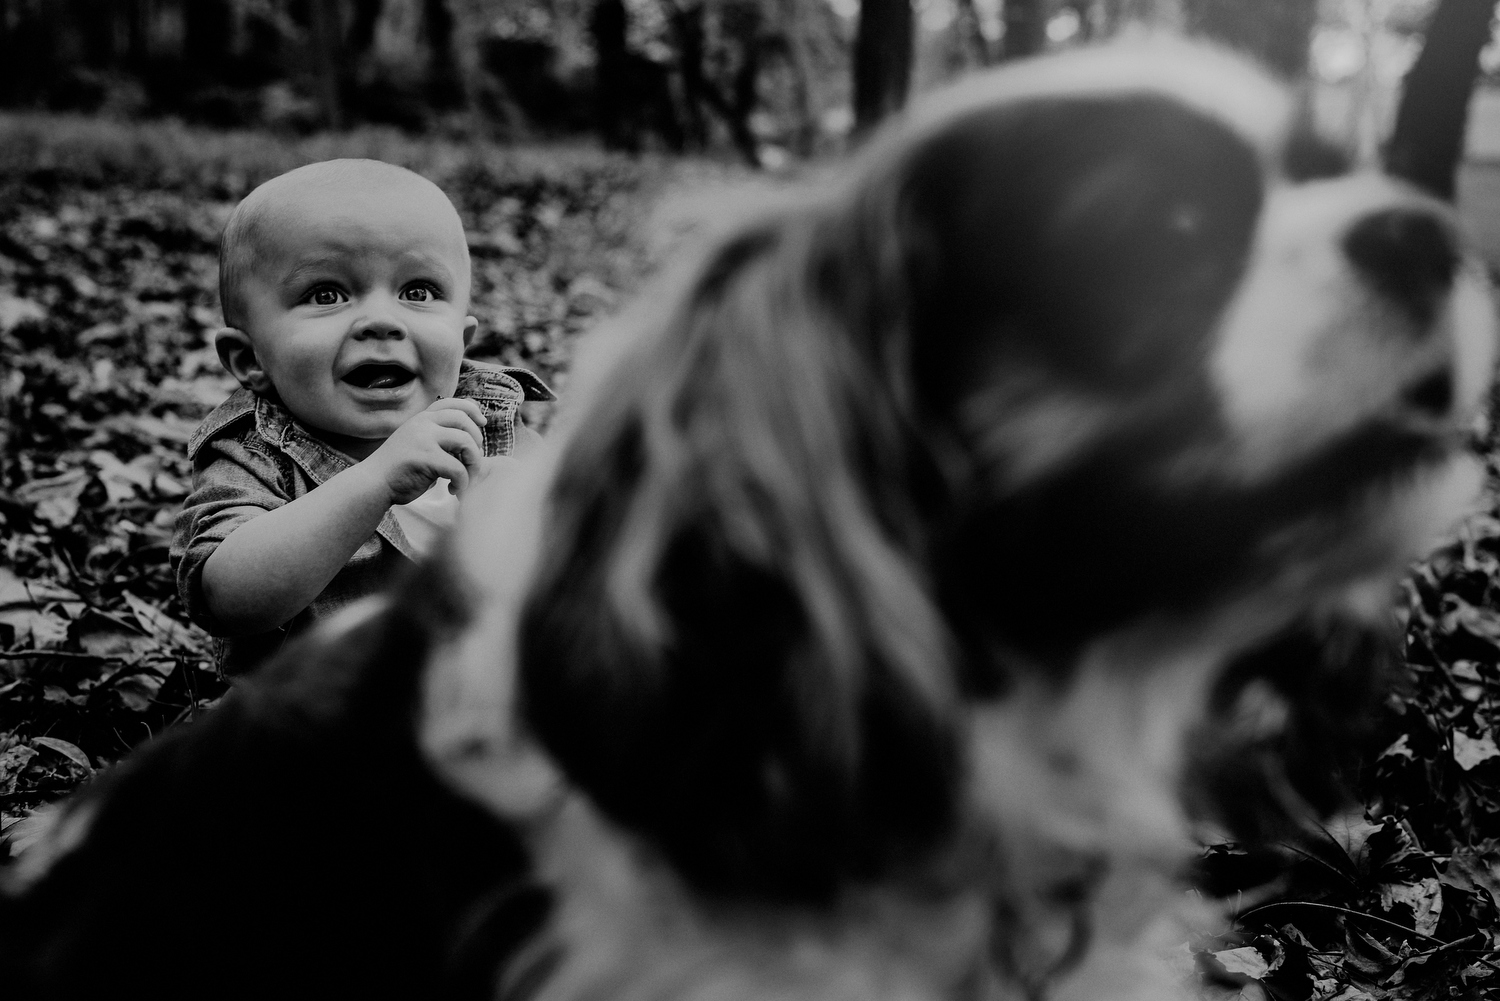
378 328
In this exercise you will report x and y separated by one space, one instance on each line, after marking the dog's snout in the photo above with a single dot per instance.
1408 254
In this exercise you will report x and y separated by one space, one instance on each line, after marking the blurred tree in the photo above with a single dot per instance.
971 26
445 89
632 95
608 24
795 31
1025 28
207 34
1277 32
1427 141
329 69
361 34
882 60
684 71
1115 15
744 27
690 36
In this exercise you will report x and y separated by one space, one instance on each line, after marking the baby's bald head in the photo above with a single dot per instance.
331 188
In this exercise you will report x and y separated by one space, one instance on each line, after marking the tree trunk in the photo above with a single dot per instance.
208 26
362 27
882 60
793 32
1277 32
328 61
96 35
608 24
445 88
973 32
1025 28
1427 142
688 33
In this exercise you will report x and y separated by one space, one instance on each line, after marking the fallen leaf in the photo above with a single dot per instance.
14 312
1399 749
1352 833
55 498
71 751
168 428
1471 869
1476 971
13 761
1425 900
204 391
60 695
162 627
168 487
121 480
1466 669
139 690
17 592
1245 961
1481 622
116 644
33 628
1470 751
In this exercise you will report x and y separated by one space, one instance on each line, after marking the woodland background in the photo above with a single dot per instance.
129 129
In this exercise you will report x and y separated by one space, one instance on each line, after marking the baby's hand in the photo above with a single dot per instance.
490 466
443 440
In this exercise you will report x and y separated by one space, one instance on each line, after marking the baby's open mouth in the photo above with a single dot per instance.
375 376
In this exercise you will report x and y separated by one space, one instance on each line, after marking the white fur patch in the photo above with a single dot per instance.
1306 351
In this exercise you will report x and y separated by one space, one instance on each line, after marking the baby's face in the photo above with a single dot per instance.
356 306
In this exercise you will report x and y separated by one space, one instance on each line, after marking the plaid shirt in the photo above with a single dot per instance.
251 456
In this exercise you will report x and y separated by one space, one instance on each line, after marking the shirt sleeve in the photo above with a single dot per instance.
232 483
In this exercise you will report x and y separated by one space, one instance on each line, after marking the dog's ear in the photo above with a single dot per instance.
729 643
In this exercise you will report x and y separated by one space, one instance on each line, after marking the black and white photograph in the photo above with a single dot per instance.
749 500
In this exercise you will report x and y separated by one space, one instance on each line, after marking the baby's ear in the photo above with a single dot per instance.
238 355
471 325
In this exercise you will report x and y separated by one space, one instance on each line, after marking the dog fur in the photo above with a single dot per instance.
911 578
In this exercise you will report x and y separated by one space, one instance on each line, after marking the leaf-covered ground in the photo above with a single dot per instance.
108 303
107 306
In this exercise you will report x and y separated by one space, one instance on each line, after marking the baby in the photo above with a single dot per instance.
345 288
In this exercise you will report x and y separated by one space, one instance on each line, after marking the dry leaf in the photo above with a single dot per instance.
14 312
1470 751
13 761
121 480
71 751
1245 961
1425 900
162 627
55 498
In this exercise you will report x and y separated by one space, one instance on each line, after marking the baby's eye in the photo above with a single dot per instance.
421 292
325 295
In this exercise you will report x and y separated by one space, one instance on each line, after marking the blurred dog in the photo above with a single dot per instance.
908 580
